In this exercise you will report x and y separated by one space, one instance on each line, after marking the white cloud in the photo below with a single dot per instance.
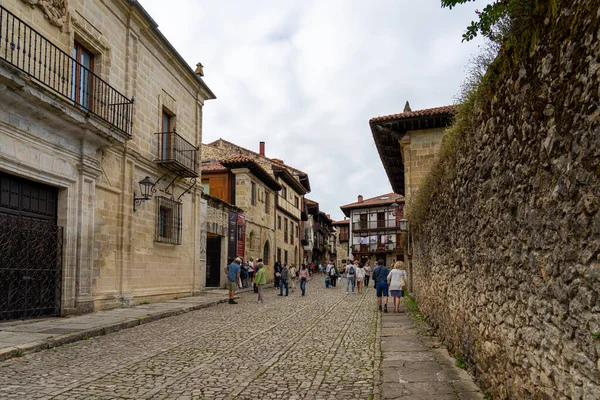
306 77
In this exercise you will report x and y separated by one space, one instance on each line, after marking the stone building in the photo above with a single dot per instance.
287 205
320 225
408 144
240 181
375 229
343 239
77 233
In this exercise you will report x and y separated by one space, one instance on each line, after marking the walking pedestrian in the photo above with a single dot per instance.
396 280
350 271
283 282
277 270
360 277
233 275
251 270
260 281
367 274
380 274
303 278
293 277
332 276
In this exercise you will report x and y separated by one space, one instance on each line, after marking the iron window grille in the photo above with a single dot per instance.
168 220
29 51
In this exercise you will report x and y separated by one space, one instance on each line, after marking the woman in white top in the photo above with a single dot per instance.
360 277
396 279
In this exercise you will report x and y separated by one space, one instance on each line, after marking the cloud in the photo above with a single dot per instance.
306 77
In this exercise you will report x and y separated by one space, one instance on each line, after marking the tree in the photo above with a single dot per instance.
493 19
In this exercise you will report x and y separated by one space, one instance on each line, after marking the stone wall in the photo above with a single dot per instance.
506 264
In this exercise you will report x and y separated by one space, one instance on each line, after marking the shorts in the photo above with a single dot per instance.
251 274
382 289
232 285
397 293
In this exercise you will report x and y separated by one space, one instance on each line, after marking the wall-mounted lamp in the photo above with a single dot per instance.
146 186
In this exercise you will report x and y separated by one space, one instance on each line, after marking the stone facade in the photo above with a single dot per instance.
419 151
506 263
110 254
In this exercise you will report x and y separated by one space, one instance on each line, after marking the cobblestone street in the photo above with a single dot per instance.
321 346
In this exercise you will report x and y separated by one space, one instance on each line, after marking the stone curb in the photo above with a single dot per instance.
17 351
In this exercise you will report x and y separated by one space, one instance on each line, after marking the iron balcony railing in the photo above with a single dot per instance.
29 51
375 247
380 224
177 154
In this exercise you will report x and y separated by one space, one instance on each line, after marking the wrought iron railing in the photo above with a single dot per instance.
375 247
30 267
380 224
177 154
168 221
29 51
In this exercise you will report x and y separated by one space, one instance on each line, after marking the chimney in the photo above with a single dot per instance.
360 198
262 149
407 107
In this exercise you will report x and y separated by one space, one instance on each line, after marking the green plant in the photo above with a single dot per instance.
487 395
459 361
144 302
102 331
596 335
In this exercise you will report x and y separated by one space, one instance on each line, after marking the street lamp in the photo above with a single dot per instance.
146 186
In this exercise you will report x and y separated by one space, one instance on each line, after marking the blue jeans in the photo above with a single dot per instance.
282 283
303 286
348 280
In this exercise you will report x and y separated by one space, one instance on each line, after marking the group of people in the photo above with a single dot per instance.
386 282
286 277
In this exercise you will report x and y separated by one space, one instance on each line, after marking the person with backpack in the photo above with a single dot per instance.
283 281
350 276
380 274
332 276
303 274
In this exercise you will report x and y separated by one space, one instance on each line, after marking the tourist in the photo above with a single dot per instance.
360 277
293 277
367 274
283 281
233 275
277 272
380 274
396 280
244 276
303 274
251 270
332 275
260 281
350 271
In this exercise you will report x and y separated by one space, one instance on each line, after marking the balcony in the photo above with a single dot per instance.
376 248
391 223
28 51
177 154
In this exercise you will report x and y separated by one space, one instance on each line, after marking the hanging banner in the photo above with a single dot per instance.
232 236
241 236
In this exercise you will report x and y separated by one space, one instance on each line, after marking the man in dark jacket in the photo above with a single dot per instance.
379 276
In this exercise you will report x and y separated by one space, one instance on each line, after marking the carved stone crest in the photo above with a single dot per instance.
55 11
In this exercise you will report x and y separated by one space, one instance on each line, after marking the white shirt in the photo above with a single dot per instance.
360 273
393 278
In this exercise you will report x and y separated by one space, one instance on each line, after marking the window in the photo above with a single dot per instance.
283 192
206 187
253 194
168 221
297 230
266 253
82 76
279 222
285 257
285 230
296 201
278 254
267 205
291 232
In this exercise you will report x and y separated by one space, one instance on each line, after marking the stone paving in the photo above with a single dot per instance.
322 346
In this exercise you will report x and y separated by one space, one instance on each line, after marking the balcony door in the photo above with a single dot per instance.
165 146
82 82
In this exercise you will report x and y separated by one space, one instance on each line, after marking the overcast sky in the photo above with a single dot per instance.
306 76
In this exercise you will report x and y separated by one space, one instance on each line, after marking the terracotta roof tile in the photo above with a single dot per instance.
428 112
342 222
384 199
213 166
